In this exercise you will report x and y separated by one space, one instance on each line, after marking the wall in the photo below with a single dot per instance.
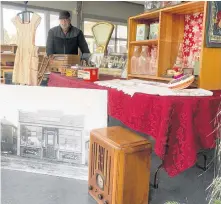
60 5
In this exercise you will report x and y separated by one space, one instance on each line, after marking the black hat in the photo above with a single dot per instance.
64 15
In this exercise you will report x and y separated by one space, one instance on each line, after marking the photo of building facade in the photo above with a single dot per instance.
51 135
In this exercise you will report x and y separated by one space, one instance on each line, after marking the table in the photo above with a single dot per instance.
180 125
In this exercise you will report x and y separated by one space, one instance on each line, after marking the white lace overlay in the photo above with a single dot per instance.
149 87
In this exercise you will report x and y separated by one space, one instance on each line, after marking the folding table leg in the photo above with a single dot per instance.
155 185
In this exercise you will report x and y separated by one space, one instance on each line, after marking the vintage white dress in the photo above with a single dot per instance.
26 59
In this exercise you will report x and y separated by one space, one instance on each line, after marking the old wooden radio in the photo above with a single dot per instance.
119 166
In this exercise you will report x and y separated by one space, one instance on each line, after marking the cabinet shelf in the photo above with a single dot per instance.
145 42
147 15
9 54
6 67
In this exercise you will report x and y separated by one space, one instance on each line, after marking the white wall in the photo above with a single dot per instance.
61 5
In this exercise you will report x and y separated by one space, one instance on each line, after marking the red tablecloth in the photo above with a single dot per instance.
183 124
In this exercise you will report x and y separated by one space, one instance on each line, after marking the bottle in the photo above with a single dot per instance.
143 64
134 60
148 62
153 61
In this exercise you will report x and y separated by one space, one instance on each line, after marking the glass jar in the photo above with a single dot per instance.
153 61
134 60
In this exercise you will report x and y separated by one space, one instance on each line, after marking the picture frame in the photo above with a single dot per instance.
213 24
188 71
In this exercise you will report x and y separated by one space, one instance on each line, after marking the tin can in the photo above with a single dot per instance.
90 74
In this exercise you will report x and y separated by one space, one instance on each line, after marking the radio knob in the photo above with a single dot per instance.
100 196
90 188
105 202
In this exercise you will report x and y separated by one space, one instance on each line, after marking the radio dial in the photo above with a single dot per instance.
100 196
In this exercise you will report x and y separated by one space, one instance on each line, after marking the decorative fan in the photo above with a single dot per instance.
182 82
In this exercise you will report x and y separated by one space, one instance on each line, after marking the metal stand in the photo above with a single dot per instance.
204 167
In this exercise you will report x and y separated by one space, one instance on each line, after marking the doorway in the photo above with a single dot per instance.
50 142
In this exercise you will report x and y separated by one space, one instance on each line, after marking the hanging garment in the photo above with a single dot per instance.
26 59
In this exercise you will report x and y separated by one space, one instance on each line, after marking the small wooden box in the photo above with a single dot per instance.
60 60
119 166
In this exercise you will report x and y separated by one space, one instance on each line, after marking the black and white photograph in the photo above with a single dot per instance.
48 133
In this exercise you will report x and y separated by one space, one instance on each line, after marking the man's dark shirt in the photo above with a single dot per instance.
59 43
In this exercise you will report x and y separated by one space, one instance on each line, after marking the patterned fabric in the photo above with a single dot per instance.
192 35
213 24
180 125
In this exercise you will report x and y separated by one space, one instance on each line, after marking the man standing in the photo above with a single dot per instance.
65 38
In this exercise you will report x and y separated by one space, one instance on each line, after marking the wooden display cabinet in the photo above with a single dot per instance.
171 32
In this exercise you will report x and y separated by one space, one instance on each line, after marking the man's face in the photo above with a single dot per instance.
65 23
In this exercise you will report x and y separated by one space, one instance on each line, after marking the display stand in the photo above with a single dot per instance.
170 35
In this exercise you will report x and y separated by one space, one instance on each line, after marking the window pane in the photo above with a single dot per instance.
40 38
91 44
9 29
54 20
122 31
111 46
121 46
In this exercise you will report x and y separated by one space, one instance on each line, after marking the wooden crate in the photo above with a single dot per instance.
171 32
60 60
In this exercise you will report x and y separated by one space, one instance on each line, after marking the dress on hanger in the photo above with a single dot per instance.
26 59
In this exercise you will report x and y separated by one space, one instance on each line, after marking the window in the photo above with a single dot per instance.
40 37
30 135
54 20
9 30
118 41
49 19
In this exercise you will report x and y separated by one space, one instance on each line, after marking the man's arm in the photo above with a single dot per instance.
50 43
82 43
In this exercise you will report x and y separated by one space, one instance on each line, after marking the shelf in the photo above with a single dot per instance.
183 8
7 67
147 15
186 8
145 42
12 54
149 77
